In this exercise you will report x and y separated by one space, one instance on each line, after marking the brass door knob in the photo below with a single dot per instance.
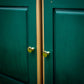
30 49
46 53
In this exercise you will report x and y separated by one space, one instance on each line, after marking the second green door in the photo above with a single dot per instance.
64 38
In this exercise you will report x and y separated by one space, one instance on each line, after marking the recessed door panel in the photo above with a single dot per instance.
68 61
13 43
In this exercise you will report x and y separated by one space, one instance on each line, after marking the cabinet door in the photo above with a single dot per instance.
17 33
64 38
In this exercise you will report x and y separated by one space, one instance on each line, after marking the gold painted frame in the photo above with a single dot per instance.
39 41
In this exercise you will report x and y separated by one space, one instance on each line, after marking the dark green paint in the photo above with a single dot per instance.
68 3
13 44
48 41
68 47
17 32
63 37
7 80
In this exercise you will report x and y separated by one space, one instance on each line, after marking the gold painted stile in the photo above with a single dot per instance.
39 40
43 36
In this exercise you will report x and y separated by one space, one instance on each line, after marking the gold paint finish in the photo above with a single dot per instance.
43 37
39 40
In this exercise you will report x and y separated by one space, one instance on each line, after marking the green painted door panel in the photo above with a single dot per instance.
18 3
64 38
17 33
71 4
68 47
68 3
13 43
7 80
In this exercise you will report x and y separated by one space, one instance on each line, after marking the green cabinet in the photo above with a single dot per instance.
17 33
64 38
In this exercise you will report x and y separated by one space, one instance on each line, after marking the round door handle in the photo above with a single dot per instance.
30 49
46 53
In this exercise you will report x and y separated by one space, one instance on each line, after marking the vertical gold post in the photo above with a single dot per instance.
43 36
39 41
